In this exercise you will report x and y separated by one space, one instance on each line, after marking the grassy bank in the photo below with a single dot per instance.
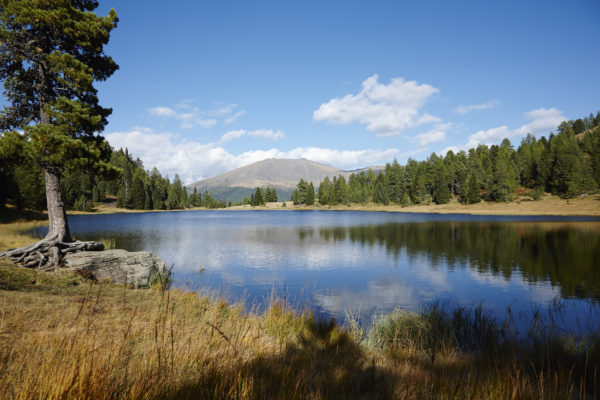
521 205
547 205
64 337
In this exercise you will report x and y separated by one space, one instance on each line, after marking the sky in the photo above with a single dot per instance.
205 87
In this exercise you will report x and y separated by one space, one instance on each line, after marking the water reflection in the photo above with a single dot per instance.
361 263
566 254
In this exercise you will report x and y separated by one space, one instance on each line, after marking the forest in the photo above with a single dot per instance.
566 164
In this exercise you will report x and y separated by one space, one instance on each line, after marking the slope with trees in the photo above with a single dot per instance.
566 164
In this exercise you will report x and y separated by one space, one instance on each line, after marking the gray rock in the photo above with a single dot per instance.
120 266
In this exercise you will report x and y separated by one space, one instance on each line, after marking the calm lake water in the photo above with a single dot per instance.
364 263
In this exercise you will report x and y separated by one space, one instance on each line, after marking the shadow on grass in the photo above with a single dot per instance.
325 363
11 214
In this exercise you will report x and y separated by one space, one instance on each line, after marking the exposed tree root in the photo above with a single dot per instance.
47 254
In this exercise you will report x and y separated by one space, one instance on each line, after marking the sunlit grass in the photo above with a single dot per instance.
63 337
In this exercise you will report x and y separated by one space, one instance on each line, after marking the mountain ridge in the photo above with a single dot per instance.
280 173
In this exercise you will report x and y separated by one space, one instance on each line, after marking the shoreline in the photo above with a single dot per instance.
549 205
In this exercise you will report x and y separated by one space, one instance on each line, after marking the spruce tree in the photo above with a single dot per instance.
310 195
51 52
472 194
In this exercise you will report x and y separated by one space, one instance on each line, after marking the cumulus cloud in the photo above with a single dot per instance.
475 107
190 116
543 120
437 134
162 111
194 161
385 109
260 133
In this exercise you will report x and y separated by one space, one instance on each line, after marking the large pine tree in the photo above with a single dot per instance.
51 53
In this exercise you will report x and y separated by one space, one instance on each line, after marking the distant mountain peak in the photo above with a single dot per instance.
280 173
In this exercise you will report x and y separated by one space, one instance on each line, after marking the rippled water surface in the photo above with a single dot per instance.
361 263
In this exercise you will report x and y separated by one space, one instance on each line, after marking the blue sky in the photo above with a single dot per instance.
205 87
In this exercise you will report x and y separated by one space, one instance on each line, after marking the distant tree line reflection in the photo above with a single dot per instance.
566 255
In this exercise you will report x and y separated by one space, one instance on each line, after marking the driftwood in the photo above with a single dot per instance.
47 254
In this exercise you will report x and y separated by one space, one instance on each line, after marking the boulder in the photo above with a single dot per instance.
120 266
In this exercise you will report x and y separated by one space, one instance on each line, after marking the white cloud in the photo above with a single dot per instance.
231 135
206 123
543 120
267 134
234 117
260 133
475 107
344 159
194 161
162 111
427 118
385 109
222 111
437 134
191 116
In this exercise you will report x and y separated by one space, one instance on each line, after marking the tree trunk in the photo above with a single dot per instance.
57 226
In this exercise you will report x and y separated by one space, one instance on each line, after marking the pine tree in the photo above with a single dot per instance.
310 195
137 194
50 55
323 192
472 194
380 194
257 199
578 126
274 197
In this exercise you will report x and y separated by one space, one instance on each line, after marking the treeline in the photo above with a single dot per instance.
565 164
260 197
136 188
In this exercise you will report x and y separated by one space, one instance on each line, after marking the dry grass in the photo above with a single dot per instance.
520 205
15 234
548 205
62 337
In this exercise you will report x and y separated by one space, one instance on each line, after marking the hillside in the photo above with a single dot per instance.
282 174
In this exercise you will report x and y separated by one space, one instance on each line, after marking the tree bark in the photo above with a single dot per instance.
57 225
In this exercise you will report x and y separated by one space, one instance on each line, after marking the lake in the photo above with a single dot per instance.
343 263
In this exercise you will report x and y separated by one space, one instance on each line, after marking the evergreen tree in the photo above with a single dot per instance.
340 190
380 194
578 126
323 192
472 194
137 194
257 199
310 195
299 195
50 55
274 197
441 181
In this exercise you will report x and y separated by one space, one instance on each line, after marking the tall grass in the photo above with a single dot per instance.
453 343
62 337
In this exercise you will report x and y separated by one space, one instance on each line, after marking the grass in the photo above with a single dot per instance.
62 336
520 205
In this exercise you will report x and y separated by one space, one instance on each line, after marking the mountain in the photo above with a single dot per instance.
282 174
